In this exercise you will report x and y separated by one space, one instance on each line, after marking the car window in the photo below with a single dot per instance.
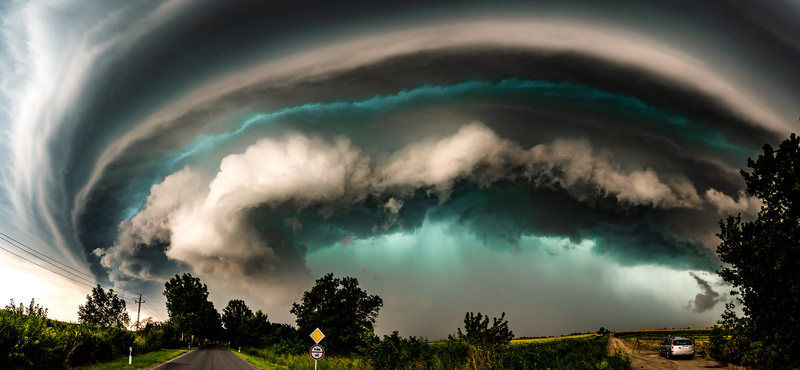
683 342
666 342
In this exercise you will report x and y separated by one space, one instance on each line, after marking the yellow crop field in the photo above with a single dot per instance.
522 341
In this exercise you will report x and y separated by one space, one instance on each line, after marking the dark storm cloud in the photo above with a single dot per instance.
633 239
208 39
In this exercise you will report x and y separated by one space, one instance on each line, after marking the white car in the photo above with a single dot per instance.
677 346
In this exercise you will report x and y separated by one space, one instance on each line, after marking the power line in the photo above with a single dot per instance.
107 283
55 272
60 268
74 272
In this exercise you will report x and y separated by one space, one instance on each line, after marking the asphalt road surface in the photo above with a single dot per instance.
213 357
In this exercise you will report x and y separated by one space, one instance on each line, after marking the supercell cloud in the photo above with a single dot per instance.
498 157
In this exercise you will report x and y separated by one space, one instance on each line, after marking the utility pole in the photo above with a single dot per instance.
140 301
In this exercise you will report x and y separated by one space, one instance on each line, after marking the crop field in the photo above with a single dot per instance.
532 340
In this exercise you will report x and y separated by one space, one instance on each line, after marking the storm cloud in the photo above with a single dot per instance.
241 142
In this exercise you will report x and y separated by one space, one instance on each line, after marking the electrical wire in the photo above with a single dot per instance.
77 274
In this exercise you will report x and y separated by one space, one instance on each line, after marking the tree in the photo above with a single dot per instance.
762 265
104 309
234 315
339 308
478 331
189 308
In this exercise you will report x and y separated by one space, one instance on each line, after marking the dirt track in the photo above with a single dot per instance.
650 360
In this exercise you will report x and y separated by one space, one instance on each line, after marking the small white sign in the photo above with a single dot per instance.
316 352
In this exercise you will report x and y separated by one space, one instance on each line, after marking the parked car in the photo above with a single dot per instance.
677 346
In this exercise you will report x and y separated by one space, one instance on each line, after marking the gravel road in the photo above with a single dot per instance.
650 360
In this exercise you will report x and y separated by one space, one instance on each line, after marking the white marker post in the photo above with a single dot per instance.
190 342
316 352
130 355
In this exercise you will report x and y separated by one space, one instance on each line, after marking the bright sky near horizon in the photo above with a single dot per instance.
565 162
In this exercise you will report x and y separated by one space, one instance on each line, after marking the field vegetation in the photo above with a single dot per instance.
395 352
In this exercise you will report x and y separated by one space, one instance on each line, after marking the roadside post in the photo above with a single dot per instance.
316 352
130 355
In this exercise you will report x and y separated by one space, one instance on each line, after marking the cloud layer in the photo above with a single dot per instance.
241 141
216 226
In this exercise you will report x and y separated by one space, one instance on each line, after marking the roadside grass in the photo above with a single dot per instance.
258 362
142 361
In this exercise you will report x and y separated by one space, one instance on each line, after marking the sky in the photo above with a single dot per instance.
564 162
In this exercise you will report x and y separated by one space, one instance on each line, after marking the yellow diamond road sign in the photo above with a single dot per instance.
317 335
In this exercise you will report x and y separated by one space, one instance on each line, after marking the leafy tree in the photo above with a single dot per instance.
104 309
339 308
762 264
478 331
189 308
234 316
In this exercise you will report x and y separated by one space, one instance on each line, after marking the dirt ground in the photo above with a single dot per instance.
650 360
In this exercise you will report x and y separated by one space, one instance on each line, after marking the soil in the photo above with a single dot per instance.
650 360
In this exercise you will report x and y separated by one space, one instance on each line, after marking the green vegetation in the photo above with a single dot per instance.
345 313
258 362
395 352
339 308
29 340
190 310
103 309
478 331
761 263
143 361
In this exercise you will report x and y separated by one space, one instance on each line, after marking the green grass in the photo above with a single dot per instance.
142 361
256 361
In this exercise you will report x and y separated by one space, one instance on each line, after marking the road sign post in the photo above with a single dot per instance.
316 352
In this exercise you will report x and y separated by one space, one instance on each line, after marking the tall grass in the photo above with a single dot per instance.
569 353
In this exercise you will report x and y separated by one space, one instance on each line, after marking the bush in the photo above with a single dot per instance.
29 340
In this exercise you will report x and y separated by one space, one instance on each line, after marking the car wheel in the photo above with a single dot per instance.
691 357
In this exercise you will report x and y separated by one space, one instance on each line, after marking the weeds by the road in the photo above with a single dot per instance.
256 361
142 361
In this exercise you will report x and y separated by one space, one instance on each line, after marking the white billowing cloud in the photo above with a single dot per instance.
299 170
207 225
475 152
725 204
572 165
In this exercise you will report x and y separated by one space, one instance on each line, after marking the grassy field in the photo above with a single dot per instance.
139 362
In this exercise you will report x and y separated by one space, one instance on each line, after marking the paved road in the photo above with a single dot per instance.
214 357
